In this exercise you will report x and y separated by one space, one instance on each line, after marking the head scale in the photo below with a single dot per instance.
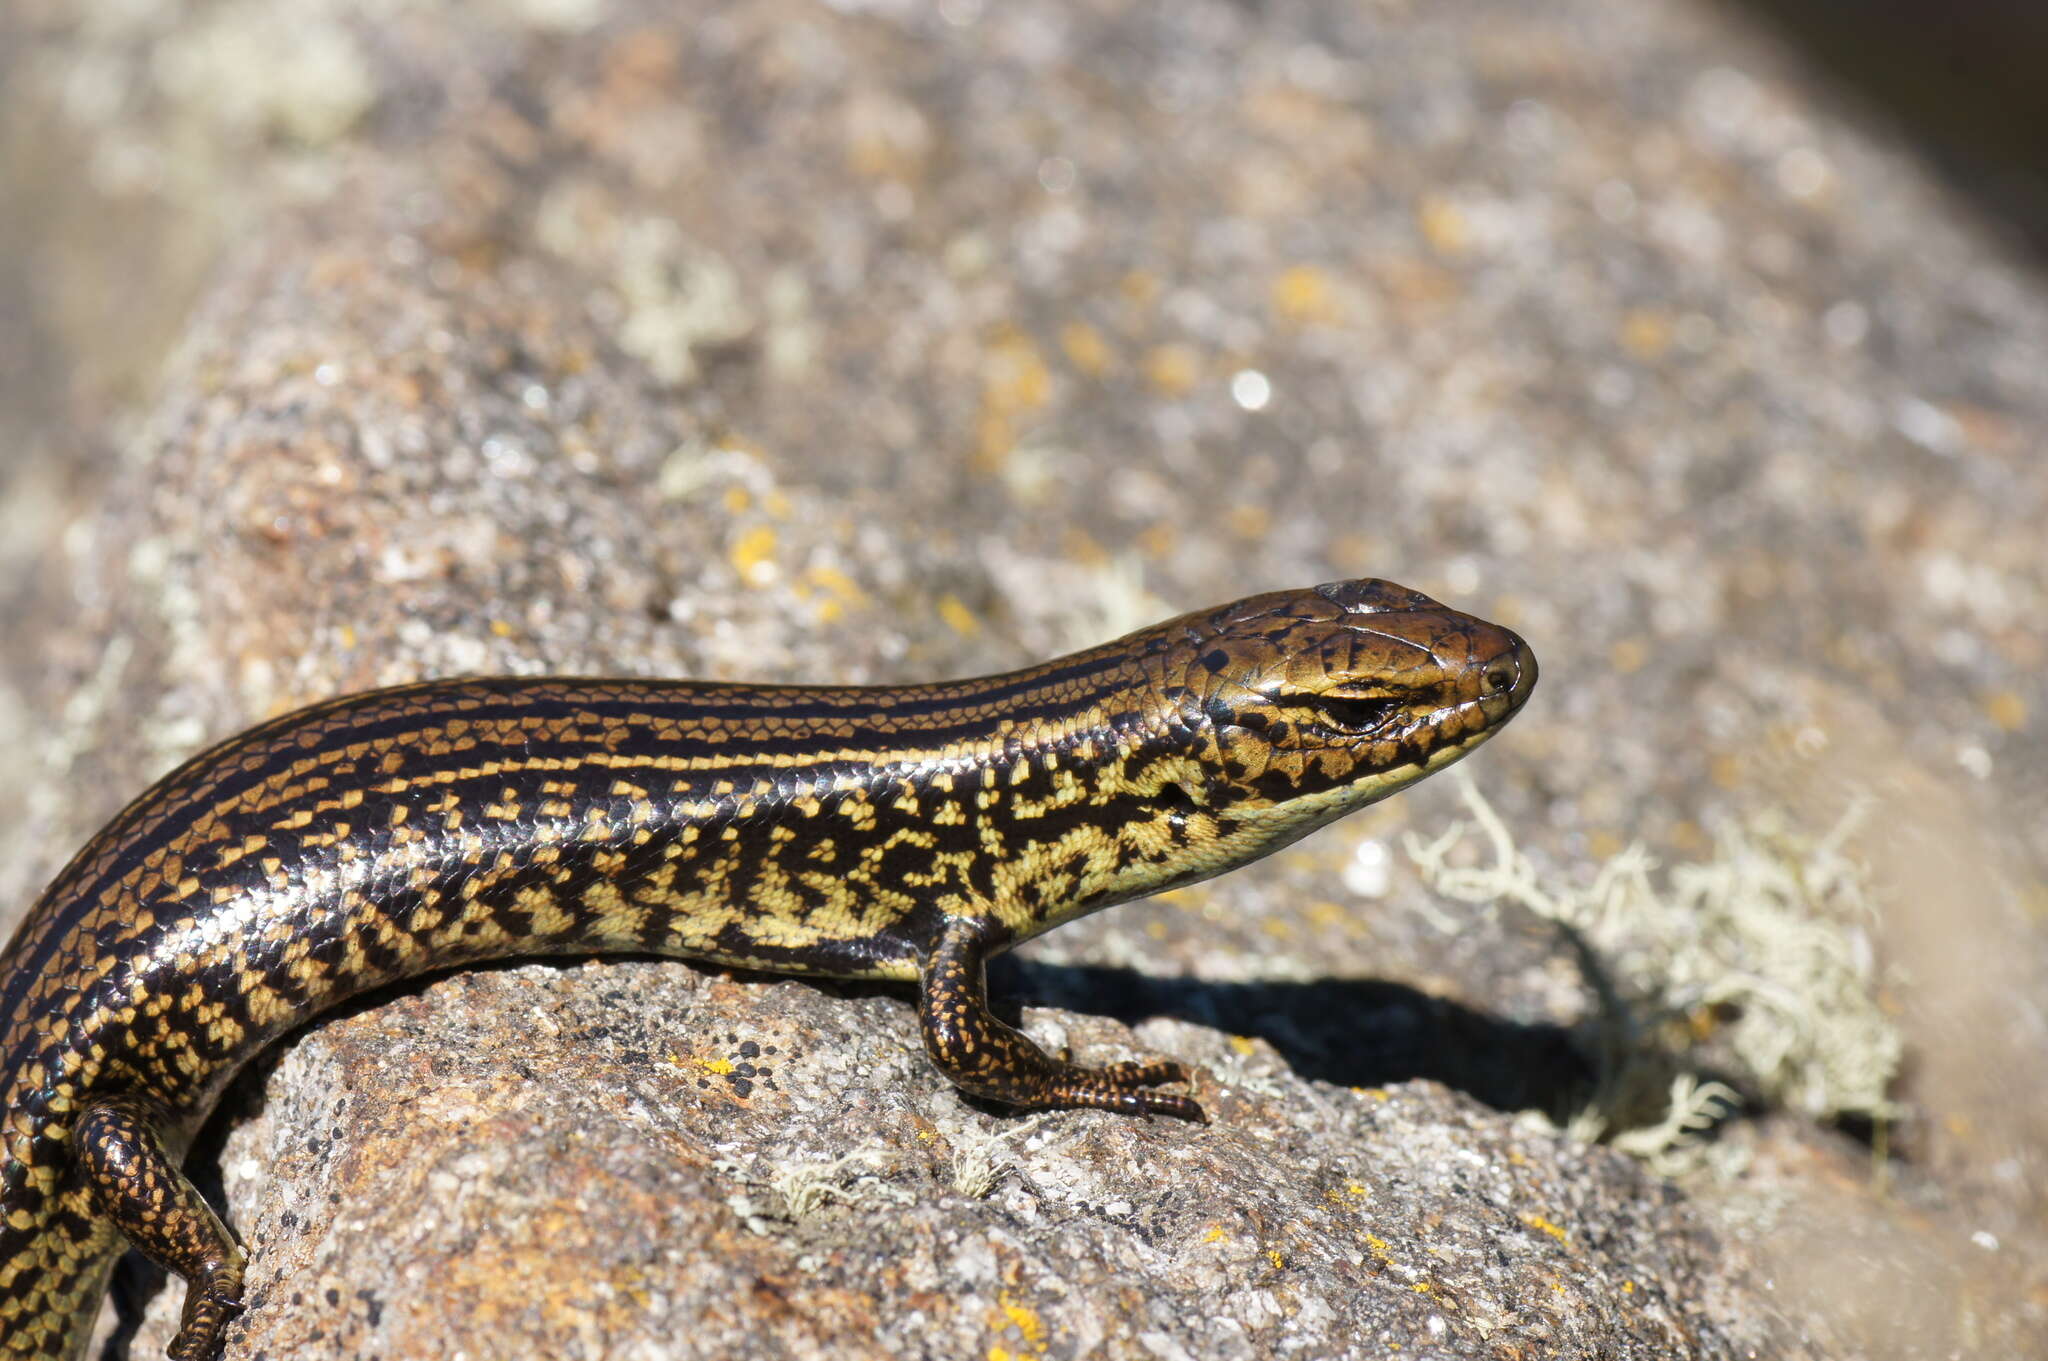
1314 702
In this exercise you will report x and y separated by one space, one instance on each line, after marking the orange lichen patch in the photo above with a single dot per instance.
831 579
831 590
1688 837
1085 348
1173 370
1304 295
1215 1234
1379 1249
957 616
1350 1194
1014 381
1249 521
1442 225
1536 1221
1324 913
732 441
1081 547
1008 1314
753 555
2006 709
1244 1044
1646 333
995 435
1156 540
1014 375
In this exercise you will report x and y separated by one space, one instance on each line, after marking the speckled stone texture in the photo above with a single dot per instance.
636 1160
886 341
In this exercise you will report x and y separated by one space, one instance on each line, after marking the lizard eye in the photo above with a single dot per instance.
1355 713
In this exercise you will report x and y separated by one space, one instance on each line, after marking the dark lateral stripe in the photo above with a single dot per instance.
889 705
195 792
891 708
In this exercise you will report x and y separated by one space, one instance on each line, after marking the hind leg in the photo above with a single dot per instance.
140 1188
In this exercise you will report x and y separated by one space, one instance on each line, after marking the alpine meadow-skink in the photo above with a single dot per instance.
900 832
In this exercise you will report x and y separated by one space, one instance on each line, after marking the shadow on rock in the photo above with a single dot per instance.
1355 1032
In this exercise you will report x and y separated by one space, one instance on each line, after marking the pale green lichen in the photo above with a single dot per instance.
1754 961
858 1179
679 296
982 1160
1673 1144
263 70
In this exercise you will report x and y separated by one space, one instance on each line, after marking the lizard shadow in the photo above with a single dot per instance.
1353 1032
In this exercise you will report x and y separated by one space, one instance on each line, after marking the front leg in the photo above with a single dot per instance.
986 1058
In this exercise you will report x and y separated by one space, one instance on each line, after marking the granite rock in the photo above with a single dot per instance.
880 341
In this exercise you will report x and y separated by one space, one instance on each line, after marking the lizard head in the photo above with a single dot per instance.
1314 702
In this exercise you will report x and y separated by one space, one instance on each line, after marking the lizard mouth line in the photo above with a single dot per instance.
1450 751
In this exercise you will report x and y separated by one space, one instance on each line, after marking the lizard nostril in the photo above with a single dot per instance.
1500 678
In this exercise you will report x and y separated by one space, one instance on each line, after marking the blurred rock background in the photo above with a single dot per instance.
345 343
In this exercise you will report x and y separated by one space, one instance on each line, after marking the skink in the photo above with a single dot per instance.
851 832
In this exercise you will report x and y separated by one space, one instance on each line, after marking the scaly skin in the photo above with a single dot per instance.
899 833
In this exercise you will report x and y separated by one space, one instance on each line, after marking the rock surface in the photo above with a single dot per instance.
876 342
631 1159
